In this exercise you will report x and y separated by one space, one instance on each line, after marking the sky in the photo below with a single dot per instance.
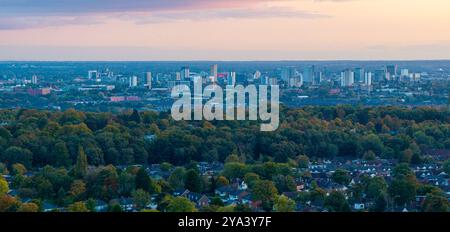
121 30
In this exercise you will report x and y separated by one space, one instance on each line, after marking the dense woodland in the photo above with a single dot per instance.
75 155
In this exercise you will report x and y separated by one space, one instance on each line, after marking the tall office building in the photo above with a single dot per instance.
34 80
256 75
185 73
368 78
231 80
359 75
273 81
213 71
287 73
391 72
347 78
92 74
133 81
308 74
148 80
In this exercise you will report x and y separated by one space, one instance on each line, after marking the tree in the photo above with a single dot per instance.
8 203
18 169
234 170
265 191
135 116
404 186
336 202
232 159
80 169
375 187
77 188
28 207
180 204
143 181
436 202
18 155
380 203
303 161
193 181
222 181
341 176
446 166
177 178
4 188
78 207
61 154
251 178
3 169
141 198
284 204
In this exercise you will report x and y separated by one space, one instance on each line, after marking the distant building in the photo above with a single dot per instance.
359 75
184 73
347 78
213 71
309 75
133 81
256 75
289 75
231 80
39 92
368 78
148 80
34 80
391 72
92 75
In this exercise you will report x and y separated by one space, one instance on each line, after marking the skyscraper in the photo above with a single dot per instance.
391 72
291 78
92 74
359 74
185 73
34 80
368 78
133 81
148 80
308 74
347 78
213 71
231 80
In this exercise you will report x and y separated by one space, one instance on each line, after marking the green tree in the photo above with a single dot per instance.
61 154
78 207
303 161
250 178
375 187
143 181
80 169
341 176
265 191
404 186
18 169
180 204
436 202
177 178
336 202
141 198
446 166
193 181
284 204
77 188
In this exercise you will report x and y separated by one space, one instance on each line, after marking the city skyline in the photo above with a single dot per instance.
224 30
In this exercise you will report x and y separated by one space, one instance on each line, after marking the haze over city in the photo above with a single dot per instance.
224 30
